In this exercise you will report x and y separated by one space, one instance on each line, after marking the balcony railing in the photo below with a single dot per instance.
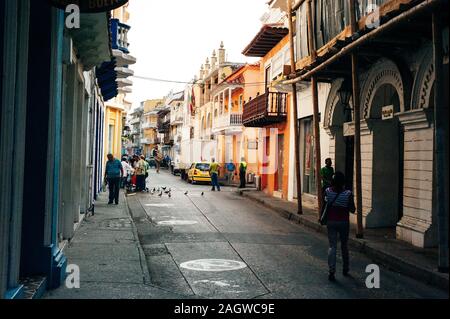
163 127
226 121
266 109
334 19
149 125
119 34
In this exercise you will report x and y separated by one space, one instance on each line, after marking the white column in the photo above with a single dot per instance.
230 105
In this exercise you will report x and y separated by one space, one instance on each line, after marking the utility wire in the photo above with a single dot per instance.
191 82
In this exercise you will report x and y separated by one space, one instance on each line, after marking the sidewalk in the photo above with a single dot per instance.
111 261
379 245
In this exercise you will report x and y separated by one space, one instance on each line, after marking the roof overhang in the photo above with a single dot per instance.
266 39
92 39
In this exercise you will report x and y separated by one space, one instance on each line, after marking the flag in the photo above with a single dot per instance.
192 102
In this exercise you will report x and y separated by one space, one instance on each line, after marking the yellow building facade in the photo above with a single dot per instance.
150 125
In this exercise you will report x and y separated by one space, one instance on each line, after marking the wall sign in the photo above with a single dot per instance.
387 112
349 129
90 6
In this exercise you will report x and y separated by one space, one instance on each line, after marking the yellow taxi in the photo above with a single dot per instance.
199 172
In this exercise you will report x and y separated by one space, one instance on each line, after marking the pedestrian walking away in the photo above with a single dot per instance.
113 175
342 203
214 173
242 172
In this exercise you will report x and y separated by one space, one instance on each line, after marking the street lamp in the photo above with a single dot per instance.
345 93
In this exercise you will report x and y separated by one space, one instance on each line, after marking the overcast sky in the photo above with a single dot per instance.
171 39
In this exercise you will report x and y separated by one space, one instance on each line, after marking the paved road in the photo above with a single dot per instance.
267 256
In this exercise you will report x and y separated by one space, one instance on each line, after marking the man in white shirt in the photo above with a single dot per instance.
127 171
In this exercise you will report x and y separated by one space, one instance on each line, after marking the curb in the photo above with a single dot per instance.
142 261
388 260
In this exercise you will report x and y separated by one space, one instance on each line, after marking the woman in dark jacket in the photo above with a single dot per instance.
338 222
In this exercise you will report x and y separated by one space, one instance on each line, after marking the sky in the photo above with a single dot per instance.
172 39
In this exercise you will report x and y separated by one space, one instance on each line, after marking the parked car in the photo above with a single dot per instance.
199 172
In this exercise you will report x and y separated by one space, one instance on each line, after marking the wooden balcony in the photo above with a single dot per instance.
328 55
269 108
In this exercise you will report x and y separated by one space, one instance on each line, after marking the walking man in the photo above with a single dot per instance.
157 156
214 173
242 172
326 173
113 175
127 172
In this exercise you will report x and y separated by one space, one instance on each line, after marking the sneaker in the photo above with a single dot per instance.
110 203
331 277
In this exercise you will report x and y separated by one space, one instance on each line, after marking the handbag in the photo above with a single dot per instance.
324 215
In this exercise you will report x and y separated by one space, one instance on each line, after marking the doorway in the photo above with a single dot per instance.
280 164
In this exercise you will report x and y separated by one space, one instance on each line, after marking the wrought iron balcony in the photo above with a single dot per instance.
269 108
119 34
163 127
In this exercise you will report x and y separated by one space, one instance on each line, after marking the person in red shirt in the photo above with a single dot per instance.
338 222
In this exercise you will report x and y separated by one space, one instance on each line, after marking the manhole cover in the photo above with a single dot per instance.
213 265
176 222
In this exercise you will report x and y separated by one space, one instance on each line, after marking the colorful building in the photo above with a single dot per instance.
150 125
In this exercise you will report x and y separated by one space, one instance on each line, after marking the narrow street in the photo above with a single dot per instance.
267 256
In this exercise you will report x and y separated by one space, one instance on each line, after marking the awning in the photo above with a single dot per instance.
106 78
89 6
266 39
92 39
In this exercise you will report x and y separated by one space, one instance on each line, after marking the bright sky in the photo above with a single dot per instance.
171 39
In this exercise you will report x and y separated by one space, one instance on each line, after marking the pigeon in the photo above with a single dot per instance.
160 194
186 193
164 188
153 190
170 195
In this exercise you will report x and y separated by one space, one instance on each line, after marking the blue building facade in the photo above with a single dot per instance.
51 137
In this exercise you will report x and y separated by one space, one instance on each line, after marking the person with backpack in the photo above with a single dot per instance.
341 203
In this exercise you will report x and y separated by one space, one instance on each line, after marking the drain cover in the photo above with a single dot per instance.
176 222
116 223
213 265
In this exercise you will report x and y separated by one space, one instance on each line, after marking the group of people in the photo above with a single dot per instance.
131 170
118 174
214 173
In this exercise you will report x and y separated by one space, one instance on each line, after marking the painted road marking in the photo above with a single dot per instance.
177 222
213 265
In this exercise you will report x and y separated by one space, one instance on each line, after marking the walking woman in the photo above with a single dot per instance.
342 203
